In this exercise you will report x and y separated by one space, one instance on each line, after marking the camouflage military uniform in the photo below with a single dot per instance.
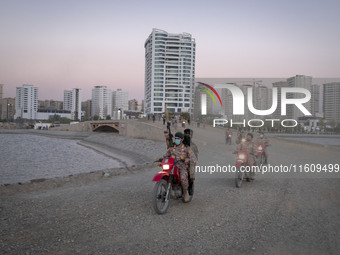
228 132
194 148
182 152
251 149
239 137
265 141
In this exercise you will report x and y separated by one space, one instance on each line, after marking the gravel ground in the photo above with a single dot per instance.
114 215
130 151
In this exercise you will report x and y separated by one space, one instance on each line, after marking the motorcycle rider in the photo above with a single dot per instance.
240 136
251 149
188 133
178 152
262 139
227 134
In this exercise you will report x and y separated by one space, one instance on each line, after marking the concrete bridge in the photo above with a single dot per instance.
105 126
132 128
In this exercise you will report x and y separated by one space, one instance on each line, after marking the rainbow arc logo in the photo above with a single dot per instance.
204 97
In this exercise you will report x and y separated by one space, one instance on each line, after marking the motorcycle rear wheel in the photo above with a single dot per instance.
159 202
238 178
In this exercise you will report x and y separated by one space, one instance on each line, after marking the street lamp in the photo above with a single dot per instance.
7 110
119 113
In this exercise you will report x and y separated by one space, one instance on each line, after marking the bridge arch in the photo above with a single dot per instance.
105 127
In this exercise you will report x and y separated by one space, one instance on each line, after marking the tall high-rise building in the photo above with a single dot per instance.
86 108
277 112
299 81
247 114
262 99
8 108
315 99
101 102
26 102
169 72
120 100
72 102
331 102
227 100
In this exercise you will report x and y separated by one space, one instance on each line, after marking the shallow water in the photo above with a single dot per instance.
333 141
25 157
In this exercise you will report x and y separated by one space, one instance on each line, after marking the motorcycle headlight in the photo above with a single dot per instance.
260 148
242 156
166 167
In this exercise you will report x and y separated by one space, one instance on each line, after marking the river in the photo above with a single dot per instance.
24 157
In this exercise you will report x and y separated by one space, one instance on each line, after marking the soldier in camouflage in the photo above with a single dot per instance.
251 149
189 143
240 136
180 151
262 139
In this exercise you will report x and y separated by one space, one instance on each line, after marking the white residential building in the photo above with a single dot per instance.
26 103
279 84
169 72
299 81
120 100
101 102
331 101
315 99
262 99
72 102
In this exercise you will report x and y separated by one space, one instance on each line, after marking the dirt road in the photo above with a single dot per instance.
114 215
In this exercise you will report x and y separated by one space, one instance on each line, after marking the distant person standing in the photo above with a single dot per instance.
153 118
175 124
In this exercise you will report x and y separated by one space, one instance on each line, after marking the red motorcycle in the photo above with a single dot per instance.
168 185
241 169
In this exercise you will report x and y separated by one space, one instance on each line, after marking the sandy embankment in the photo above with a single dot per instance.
133 154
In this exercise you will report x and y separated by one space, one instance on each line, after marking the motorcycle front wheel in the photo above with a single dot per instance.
159 202
261 160
238 178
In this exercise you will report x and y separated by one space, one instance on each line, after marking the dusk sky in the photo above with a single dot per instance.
58 45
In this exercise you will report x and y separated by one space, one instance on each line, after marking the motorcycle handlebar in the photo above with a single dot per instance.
176 161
